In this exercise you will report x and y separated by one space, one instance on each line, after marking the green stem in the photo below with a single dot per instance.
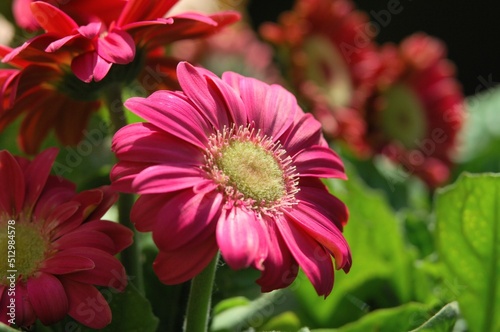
200 296
130 257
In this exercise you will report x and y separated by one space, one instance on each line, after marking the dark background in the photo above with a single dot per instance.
471 31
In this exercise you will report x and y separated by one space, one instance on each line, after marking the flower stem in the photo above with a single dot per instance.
130 257
200 296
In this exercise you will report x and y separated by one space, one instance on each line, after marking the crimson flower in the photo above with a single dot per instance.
60 89
331 62
62 247
44 95
102 41
417 111
233 164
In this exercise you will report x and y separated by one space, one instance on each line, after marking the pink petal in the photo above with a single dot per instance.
123 173
89 66
319 161
165 178
48 298
63 263
311 256
86 304
173 113
142 10
271 107
186 217
116 47
37 174
144 142
280 268
56 45
175 267
23 16
318 227
145 212
91 30
242 238
195 84
12 192
120 236
316 196
305 133
108 270
52 19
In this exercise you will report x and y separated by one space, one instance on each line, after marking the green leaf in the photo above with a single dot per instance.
443 321
480 135
402 318
6 328
468 234
381 274
253 314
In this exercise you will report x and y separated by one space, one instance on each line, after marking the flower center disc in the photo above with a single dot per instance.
253 171
403 118
25 244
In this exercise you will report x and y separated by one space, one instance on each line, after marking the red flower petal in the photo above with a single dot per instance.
48 298
12 178
175 267
86 304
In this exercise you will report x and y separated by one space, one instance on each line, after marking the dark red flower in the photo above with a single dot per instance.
416 113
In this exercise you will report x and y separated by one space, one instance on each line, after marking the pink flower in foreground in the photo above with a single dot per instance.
233 164
62 248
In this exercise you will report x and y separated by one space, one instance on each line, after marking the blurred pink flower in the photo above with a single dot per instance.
236 48
416 112
331 62
63 248
233 164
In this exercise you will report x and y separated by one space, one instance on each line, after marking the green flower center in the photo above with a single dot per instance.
253 171
403 118
327 68
22 249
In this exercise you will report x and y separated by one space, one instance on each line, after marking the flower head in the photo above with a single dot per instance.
97 42
416 113
63 248
233 164
331 62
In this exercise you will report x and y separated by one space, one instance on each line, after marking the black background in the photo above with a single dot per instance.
470 29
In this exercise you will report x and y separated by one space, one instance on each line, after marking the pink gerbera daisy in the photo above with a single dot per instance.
60 248
233 164
331 60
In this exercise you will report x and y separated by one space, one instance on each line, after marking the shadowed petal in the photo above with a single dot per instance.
186 217
319 161
280 268
175 267
242 239
116 47
311 256
48 298
86 304
12 178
